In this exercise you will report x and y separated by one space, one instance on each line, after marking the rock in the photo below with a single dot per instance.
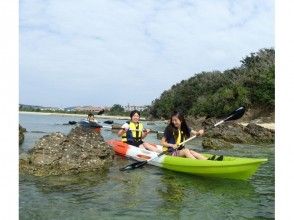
82 150
22 129
23 156
150 123
259 115
159 135
116 126
260 133
215 144
230 132
21 135
195 123
236 133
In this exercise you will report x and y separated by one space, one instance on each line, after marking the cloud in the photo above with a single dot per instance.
106 52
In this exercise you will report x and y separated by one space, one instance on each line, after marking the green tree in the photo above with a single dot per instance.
215 93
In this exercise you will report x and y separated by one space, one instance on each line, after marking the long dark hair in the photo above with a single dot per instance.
184 127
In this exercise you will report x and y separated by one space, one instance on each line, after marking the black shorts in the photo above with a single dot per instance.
135 143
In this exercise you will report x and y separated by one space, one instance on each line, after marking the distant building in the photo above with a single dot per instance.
135 107
51 109
41 108
88 109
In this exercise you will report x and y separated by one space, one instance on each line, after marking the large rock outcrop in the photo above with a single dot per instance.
82 150
236 133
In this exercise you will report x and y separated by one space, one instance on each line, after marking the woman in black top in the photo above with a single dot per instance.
176 132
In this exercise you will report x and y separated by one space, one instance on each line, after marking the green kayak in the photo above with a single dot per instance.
231 167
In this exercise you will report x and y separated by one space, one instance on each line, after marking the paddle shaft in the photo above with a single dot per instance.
110 127
238 113
163 152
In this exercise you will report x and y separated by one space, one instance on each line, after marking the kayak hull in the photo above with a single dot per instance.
236 168
231 167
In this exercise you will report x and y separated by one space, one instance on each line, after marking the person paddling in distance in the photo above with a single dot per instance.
176 132
91 118
132 132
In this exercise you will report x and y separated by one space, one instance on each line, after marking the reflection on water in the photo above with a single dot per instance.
144 193
205 198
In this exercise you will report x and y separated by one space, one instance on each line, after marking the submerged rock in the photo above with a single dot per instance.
21 135
82 150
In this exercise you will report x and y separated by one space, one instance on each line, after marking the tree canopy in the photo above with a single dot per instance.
215 93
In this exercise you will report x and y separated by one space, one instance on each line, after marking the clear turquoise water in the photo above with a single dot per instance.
144 193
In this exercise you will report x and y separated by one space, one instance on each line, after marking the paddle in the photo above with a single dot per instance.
238 113
101 112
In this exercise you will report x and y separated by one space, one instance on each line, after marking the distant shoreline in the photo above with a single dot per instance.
80 115
117 117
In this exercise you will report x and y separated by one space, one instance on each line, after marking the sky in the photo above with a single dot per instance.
105 52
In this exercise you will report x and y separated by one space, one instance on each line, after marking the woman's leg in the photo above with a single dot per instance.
186 153
197 155
142 147
151 147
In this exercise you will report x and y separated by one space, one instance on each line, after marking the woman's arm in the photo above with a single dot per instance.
197 133
123 129
163 142
121 132
145 133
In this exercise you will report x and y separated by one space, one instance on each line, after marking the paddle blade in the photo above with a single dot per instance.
133 166
238 113
101 112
